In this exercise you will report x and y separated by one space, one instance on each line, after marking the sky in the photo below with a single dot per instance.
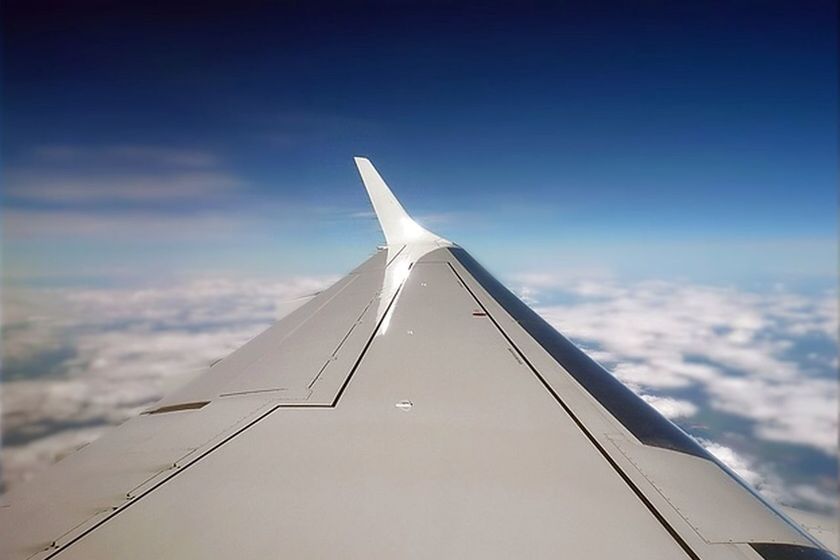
681 139
659 179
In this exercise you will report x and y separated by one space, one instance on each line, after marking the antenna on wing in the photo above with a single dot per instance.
399 228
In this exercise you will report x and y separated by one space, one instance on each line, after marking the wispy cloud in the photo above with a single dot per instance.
113 178
146 193
148 155
134 192
125 187
129 225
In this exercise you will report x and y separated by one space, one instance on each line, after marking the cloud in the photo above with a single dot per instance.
119 174
143 193
77 361
577 280
820 497
803 493
126 187
120 191
732 345
112 178
766 483
124 153
671 408
24 224
760 368
23 462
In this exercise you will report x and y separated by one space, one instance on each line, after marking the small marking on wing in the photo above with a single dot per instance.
405 405
179 407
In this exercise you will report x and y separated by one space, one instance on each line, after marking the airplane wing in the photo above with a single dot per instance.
415 409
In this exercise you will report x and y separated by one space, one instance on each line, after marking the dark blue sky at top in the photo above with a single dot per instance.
544 124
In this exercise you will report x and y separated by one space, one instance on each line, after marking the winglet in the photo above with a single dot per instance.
397 225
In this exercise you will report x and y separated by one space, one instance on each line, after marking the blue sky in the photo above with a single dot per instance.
690 139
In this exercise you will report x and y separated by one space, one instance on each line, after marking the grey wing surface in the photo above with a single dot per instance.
415 409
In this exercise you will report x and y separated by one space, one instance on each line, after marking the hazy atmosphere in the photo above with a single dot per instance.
658 180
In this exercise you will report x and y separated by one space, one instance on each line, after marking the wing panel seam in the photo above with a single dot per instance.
233 435
162 482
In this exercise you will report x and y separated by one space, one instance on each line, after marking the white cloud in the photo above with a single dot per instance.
119 192
768 484
671 408
732 344
528 295
813 495
116 350
24 224
120 174
23 462
112 352
124 187
577 280
125 154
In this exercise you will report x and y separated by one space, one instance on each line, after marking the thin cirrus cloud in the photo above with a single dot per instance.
158 156
124 187
120 175
120 192
25 224
143 193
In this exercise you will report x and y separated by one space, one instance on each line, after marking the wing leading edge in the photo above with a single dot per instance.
415 408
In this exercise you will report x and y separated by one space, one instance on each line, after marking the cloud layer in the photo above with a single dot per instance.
737 347
738 369
756 369
77 361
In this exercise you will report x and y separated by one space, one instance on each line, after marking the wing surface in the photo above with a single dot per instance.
415 409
